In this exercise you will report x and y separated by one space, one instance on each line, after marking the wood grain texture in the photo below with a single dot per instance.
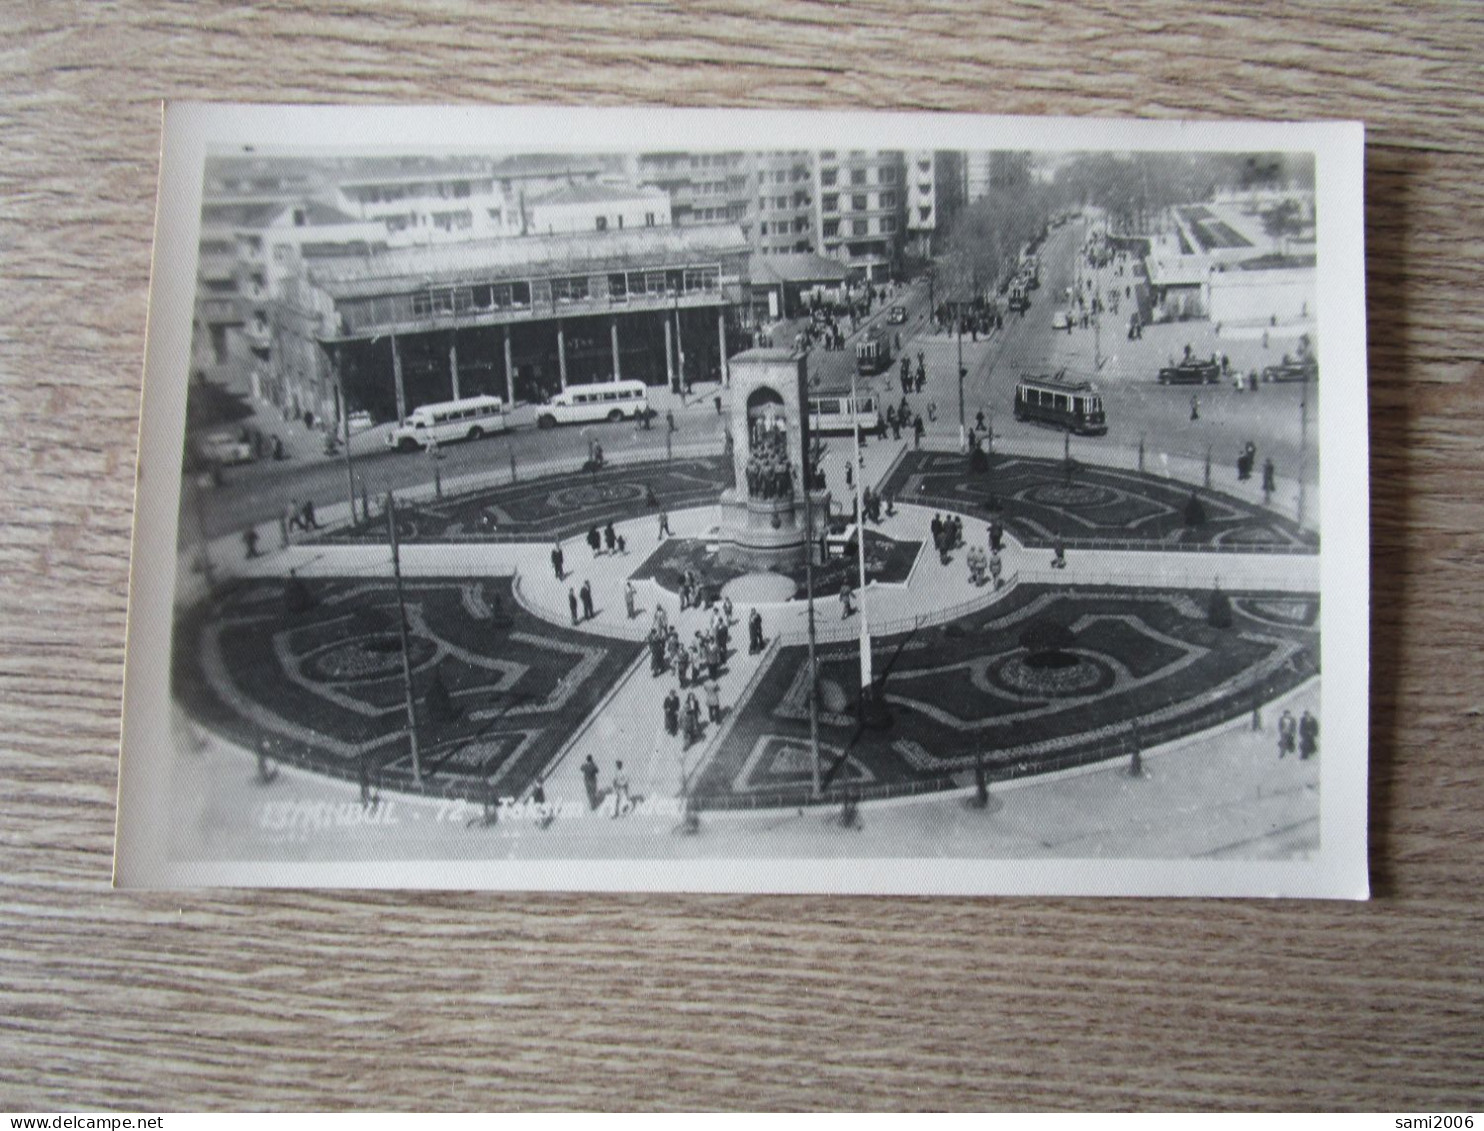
441 1000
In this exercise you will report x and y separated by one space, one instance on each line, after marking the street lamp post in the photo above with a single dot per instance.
860 542
391 522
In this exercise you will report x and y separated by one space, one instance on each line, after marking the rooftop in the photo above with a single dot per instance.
802 268
521 256
596 192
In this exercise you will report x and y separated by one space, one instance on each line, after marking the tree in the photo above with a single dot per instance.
439 702
1219 609
1047 642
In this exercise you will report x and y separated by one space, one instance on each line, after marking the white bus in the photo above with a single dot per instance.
466 419
834 412
606 400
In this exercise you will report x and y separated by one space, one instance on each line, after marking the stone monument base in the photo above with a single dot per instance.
765 534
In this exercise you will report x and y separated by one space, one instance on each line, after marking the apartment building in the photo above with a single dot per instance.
861 197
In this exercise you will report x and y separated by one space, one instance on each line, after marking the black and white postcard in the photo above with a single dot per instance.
657 500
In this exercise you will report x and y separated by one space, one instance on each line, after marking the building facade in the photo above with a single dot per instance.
861 198
523 318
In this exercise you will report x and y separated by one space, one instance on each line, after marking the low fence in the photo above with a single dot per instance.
957 775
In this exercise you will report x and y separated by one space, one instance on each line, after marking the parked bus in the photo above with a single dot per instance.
832 410
465 419
1073 405
607 400
873 352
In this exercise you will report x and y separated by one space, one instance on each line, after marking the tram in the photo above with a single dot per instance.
832 410
1073 405
873 352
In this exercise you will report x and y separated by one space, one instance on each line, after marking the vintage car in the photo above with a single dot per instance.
1061 320
223 449
897 315
1191 371
1292 369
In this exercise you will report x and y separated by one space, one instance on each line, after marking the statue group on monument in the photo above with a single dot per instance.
769 470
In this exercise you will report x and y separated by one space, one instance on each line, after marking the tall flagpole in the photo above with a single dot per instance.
805 449
860 539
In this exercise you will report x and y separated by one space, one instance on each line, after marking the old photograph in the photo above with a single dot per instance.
751 501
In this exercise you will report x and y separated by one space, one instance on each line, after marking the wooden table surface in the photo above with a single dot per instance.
154 1001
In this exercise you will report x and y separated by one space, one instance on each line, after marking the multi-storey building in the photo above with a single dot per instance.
704 188
934 192
861 197
781 219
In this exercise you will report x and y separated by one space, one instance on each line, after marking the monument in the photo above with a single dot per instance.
765 515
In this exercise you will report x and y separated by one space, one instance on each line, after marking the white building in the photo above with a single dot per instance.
598 206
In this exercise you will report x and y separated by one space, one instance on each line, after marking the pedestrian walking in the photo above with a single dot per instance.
250 541
996 567
754 633
595 541
670 419
610 538
917 430
557 560
1308 729
672 712
629 596
1195 407
587 601
682 667
1287 734
713 700
306 516
665 531
590 781
847 599
621 804
692 719
572 603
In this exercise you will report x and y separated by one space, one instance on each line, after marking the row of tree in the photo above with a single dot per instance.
1026 192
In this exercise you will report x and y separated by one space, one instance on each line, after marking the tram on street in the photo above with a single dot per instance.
833 410
873 352
1073 405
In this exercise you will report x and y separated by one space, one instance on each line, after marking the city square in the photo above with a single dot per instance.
727 622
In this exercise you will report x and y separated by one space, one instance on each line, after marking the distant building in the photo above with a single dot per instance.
934 194
862 200
596 206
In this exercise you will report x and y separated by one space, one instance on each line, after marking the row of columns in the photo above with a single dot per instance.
674 352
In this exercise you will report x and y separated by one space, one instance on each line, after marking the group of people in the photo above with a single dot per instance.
608 539
704 657
981 563
899 417
912 380
688 717
582 597
693 590
622 801
1302 732
948 534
